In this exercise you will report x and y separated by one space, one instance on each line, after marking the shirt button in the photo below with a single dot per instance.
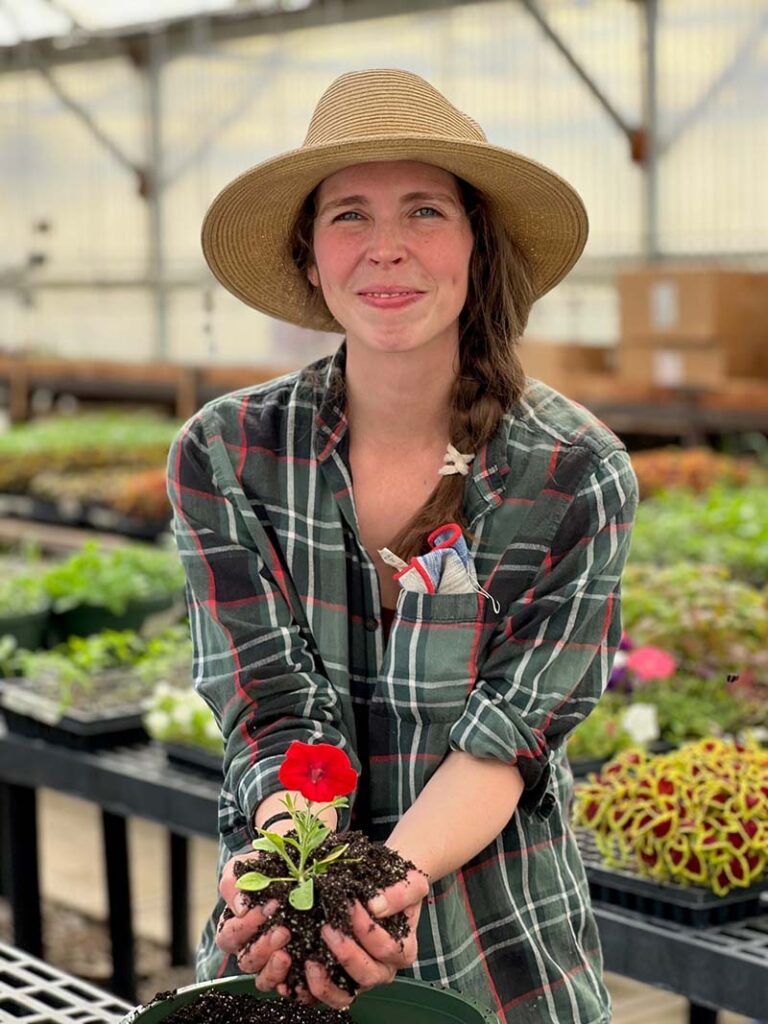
371 625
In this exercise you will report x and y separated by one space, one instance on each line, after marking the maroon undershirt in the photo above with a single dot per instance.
387 616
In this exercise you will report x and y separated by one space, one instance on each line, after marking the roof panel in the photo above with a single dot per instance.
39 19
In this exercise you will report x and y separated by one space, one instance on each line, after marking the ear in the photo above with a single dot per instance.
313 276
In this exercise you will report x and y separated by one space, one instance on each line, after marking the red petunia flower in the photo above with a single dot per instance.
649 663
318 771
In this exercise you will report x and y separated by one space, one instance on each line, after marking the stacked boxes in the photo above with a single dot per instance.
692 327
569 368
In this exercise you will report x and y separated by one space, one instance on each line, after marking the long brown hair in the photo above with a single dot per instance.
490 378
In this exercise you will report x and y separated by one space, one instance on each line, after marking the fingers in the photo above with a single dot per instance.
234 932
254 957
397 897
323 989
378 943
274 972
232 896
358 964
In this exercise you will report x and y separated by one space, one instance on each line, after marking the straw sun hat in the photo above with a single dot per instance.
380 115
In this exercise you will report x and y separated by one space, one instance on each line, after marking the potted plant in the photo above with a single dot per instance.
118 589
694 817
315 875
185 726
24 609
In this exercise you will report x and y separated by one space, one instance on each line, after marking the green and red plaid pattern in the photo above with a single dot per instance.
285 616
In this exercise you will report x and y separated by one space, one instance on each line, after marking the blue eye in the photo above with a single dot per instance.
347 214
428 209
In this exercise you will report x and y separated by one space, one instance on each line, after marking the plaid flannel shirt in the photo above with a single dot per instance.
550 501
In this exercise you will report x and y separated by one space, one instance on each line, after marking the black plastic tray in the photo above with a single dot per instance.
29 713
690 905
103 518
194 757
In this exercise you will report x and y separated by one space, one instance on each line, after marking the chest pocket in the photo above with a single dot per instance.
430 667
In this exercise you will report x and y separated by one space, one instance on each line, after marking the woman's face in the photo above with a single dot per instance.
392 245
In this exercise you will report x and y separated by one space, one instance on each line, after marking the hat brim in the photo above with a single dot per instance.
246 231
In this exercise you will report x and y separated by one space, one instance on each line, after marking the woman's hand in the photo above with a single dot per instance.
371 957
266 957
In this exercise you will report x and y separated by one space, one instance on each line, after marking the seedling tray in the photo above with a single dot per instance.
103 518
690 905
36 993
29 713
189 756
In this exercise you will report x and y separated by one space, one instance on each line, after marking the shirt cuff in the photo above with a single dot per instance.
490 728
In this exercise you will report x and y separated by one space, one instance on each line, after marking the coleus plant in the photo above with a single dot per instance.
698 815
322 774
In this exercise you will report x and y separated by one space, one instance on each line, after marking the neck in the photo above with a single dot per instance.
399 400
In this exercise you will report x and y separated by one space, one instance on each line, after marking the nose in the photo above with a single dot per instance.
385 244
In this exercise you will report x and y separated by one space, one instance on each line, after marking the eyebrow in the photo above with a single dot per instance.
409 197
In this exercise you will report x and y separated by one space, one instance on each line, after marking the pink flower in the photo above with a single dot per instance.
649 663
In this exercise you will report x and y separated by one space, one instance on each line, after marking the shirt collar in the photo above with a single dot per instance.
330 419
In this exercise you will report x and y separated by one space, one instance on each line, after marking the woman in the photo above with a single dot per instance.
399 225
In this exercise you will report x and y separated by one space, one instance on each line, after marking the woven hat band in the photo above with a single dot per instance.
407 105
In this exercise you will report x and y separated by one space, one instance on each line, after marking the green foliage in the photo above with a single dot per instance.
22 595
71 672
724 526
712 624
112 579
110 431
601 733
690 707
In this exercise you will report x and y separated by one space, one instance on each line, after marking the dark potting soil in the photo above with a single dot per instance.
226 1008
365 869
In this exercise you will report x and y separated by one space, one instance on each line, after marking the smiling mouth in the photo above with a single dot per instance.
390 295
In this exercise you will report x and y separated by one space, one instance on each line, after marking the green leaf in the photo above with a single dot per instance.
253 881
336 852
303 896
265 843
320 836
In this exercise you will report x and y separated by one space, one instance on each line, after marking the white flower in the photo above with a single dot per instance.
157 723
183 715
641 722
620 659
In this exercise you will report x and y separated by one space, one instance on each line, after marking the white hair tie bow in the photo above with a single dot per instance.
455 462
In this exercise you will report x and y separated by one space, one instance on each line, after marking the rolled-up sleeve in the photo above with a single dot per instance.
550 658
253 663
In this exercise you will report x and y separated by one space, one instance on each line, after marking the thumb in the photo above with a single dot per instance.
397 897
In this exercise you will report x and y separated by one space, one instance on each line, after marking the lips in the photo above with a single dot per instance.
388 293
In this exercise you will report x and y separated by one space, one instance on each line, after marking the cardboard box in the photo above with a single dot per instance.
691 305
675 367
562 365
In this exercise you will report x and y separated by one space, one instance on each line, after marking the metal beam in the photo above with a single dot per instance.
87 120
227 25
154 192
732 70
580 70
650 242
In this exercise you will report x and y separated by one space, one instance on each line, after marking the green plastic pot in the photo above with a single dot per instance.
28 630
87 619
404 1001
